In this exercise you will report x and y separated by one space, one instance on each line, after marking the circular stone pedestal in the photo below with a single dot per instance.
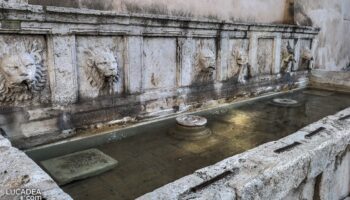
284 102
190 127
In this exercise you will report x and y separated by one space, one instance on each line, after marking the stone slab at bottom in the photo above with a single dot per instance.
318 93
78 165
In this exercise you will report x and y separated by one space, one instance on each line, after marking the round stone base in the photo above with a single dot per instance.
285 102
190 133
191 121
190 127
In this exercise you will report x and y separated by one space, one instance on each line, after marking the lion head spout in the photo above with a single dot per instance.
205 60
21 75
101 68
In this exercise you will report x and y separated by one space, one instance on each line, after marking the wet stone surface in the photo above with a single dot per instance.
78 165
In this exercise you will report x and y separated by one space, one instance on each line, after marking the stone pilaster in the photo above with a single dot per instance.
62 69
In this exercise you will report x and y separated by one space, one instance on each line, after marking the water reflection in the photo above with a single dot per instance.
153 158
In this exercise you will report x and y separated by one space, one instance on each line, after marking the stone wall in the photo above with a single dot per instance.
64 69
333 52
19 172
331 16
236 10
331 80
312 163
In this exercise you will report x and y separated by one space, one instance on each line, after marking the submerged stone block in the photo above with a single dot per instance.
79 165
318 93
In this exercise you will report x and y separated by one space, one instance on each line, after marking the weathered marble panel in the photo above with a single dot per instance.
133 68
100 63
62 66
239 48
187 50
265 55
23 70
159 63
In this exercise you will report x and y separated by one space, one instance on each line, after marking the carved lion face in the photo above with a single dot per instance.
206 60
18 69
307 54
101 68
241 57
107 65
21 75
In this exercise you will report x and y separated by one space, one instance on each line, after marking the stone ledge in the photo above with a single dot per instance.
330 80
87 16
264 174
18 171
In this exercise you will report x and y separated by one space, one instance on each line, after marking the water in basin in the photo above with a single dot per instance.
152 158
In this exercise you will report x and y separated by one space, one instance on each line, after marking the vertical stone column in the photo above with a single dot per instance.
253 53
62 69
223 55
133 64
277 54
187 47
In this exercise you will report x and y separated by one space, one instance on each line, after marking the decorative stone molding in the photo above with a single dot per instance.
21 72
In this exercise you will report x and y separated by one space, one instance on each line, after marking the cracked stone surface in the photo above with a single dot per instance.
18 171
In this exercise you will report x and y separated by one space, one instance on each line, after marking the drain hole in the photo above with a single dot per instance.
315 132
287 148
213 180
317 187
344 117
3 133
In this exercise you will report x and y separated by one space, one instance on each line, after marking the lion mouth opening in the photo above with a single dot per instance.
26 84
111 78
